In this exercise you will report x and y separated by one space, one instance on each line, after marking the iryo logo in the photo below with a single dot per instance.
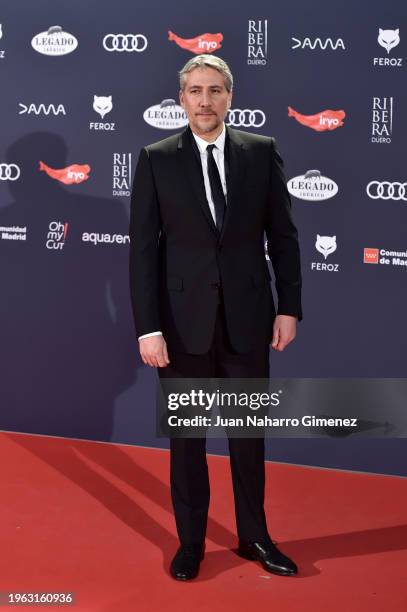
75 173
325 120
204 43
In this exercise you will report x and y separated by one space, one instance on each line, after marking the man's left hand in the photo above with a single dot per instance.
284 331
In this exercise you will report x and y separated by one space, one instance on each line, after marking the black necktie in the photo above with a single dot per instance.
218 196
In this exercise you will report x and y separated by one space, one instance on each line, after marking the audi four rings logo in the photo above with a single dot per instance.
125 42
246 117
386 190
9 172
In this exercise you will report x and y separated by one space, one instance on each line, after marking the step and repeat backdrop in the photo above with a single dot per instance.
85 86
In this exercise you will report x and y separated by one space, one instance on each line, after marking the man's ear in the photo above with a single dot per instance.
181 98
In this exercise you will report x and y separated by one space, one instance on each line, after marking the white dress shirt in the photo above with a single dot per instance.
219 156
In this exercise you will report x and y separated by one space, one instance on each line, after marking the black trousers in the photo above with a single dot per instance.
190 491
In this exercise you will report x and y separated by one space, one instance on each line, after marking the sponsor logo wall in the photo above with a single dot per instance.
81 98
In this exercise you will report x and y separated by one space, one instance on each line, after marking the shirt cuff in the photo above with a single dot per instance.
156 333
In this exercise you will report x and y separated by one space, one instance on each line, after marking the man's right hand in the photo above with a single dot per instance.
153 351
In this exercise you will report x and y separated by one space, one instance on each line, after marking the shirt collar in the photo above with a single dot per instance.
219 142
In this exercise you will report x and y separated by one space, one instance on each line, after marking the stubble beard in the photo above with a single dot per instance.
205 127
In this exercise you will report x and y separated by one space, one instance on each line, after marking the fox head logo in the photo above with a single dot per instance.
325 245
102 105
388 39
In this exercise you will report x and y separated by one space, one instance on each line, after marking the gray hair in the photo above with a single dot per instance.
207 61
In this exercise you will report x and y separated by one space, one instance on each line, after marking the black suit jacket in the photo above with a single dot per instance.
178 257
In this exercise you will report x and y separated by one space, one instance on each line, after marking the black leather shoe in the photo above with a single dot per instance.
185 564
269 556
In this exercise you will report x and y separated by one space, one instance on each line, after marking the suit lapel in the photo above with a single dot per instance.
235 169
234 173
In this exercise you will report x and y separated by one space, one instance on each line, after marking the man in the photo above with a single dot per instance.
200 286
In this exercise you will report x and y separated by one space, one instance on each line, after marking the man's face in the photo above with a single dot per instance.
205 100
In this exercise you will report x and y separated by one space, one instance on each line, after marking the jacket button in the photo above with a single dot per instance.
215 285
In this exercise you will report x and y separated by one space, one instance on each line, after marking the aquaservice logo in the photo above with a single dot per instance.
76 173
204 43
325 120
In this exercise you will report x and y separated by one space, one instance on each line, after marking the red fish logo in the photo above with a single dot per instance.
204 43
326 120
72 174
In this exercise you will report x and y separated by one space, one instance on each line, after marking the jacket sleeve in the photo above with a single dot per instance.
282 240
144 231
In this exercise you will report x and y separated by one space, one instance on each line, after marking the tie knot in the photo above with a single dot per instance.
210 147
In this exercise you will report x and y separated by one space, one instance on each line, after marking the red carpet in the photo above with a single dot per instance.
96 519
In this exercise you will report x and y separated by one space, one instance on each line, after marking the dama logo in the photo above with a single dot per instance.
75 173
325 120
317 43
370 256
204 43
41 109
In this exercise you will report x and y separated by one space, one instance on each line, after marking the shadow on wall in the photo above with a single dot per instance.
68 341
